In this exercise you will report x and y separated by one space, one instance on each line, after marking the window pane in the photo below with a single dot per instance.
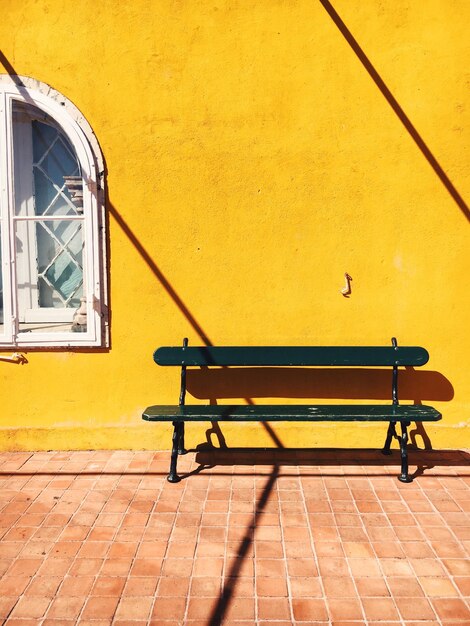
47 172
59 263
56 171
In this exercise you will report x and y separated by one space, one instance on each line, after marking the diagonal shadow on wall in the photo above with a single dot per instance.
181 306
402 116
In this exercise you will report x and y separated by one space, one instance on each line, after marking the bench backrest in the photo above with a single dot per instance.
292 355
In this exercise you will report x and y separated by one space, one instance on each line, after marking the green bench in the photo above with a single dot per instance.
210 356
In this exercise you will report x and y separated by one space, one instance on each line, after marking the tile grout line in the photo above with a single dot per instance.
315 555
196 544
286 570
283 543
164 556
361 604
254 558
141 475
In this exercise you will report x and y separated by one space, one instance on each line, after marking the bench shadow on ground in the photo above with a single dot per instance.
326 462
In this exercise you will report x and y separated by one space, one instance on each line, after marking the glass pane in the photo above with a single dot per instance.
59 263
55 167
50 275
47 172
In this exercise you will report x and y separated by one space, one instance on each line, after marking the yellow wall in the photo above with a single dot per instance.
252 160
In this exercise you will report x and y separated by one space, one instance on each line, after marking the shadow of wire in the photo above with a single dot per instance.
225 597
404 119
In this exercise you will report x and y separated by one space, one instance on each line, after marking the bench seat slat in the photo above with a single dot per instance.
278 413
291 355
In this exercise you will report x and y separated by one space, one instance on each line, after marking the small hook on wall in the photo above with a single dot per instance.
346 290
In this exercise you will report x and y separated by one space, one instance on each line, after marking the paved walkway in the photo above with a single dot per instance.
101 538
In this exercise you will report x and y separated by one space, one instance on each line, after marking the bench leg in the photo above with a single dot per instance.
181 448
391 433
173 476
404 476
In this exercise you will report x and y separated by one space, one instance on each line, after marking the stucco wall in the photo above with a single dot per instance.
255 152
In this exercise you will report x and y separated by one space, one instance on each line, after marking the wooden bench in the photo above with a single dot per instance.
209 356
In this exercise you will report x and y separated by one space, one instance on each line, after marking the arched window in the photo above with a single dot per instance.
52 283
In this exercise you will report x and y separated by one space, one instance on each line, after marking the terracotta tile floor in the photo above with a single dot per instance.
259 538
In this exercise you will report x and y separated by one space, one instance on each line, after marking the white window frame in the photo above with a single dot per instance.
88 153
